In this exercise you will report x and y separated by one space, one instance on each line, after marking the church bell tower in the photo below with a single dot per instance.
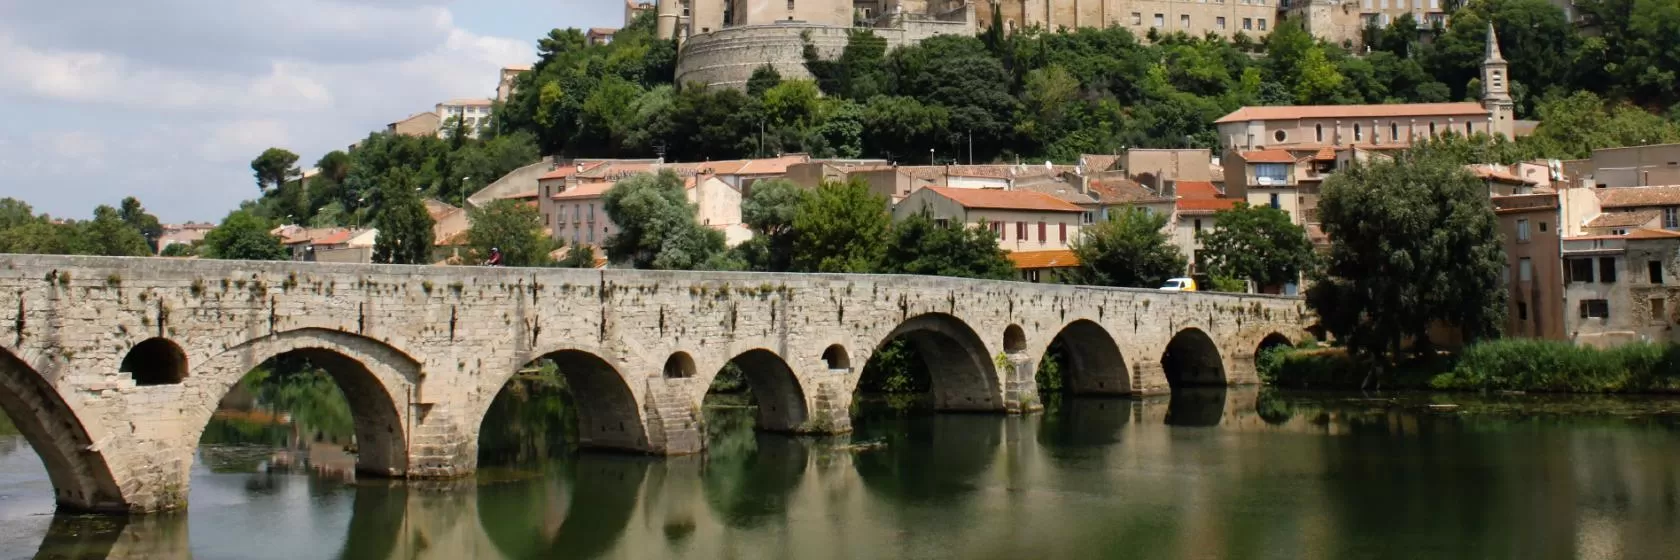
1496 89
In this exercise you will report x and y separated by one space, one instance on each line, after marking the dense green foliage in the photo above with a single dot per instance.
656 226
244 236
1414 243
128 232
921 246
274 167
841 228
1129 250
1255 243
769 209
1042 94
513 227
405 228
1518 364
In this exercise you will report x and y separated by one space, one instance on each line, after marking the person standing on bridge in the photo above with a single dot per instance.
495 257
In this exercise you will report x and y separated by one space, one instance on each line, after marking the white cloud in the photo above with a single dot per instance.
176 113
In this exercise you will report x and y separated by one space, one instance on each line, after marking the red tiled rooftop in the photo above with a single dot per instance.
1633 197
586 190
1025 260
1293 112
1269 156
1205 205
1623 219
1006 200
1197 189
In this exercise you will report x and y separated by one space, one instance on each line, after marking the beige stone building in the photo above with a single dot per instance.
1621 288
1022 220
472 111
505 82
1342 22
418 124
1634 166
1529 233
1193 17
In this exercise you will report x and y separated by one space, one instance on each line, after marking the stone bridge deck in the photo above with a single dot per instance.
112 367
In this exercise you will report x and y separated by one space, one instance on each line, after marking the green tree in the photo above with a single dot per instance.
135 215
180 250
109 235
335 165
244 236
405 228
920 246
579 256
1129 250
842 228
763 78
274 167
1256 243
1414 242
656 225
42 237
513 227
769 209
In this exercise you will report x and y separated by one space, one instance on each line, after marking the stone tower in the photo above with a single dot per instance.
670 18
1496 89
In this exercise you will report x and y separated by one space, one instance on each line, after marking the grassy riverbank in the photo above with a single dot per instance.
1501 365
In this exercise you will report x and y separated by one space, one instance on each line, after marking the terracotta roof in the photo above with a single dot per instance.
1353 111
1648 233
523 195
1006 200
1325 154
586 190
1062 191
931 172
771 166
1121 191
1269 156
564 171
1633 197
437 209
1197 189
1025 260
1200 206
1498 173
1099 162
1623 219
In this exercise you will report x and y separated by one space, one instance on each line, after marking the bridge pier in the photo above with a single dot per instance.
672 416
1241 370
1149 377
1020 383
829 402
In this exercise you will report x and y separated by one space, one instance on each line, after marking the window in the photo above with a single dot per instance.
1542 227
1366 4
1607 270
1580 270
1525 270
1184 20
942 222
1137 18
1262 24
1248 23
591 212
1280 135
1432 128
1219 22
1654 270
1043 230
1393 130
1522 311
790 5
1671 218
1659 311
1198 225
1358 133
1468 131
1522 231
577 213
1063 227
1595 309
1382 4
996 227
1275 200
1088 218
1020 231
1160 20
591 235
1271 173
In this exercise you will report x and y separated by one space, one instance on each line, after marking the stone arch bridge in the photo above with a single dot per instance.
112 367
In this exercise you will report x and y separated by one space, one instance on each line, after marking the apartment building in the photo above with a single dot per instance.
1533 276
1193 17
475 113
1022 220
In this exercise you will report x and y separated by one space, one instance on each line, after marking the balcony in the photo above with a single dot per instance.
1593 246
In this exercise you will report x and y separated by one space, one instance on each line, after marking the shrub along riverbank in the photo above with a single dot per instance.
1500 365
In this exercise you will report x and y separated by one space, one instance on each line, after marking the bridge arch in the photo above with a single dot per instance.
1270 341
608 413
376 379
155 361
1193 359
781 399
81 478
836 358
1092 361
960 369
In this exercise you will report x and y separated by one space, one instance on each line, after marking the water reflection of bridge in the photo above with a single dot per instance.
982 486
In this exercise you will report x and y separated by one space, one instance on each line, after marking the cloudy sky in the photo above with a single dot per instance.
168 100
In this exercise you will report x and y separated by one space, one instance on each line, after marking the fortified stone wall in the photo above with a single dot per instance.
728 57
113 366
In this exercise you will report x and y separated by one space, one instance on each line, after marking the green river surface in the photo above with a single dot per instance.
1237 473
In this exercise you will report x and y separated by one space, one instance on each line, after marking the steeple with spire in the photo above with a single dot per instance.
1496 88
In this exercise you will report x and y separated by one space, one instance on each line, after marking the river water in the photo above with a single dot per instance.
1239 473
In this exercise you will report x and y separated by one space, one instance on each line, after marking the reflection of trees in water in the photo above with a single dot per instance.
927 457
162 535
748 475
1072 422
306 397
600 493
376 520
529 420
1196 406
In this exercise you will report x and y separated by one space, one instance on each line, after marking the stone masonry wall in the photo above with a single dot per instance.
422 351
